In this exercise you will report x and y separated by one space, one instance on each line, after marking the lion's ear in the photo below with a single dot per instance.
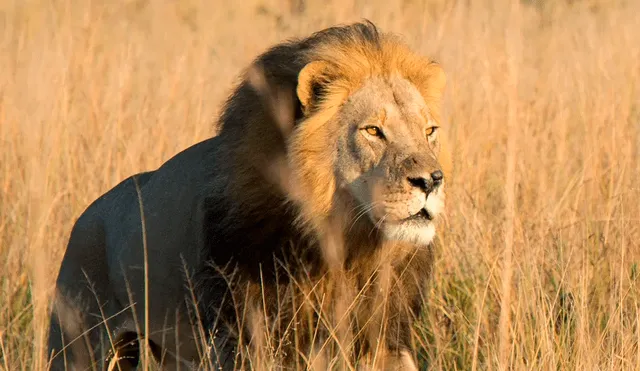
311 80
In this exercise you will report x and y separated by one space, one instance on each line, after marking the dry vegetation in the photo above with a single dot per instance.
539 266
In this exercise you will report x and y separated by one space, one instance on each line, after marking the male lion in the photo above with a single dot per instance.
324 183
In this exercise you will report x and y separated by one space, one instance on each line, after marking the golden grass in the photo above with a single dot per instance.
539 268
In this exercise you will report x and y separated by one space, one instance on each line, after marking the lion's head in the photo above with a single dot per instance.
369 141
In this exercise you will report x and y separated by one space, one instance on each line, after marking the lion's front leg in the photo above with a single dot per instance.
399 299
388 332
393 361
402 361
398 354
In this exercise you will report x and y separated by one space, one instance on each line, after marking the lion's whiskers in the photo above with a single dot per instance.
378 224
365 209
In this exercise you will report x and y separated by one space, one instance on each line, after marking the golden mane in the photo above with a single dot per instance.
253 116
353 55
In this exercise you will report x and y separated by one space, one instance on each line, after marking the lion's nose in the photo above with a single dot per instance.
437 177
426 185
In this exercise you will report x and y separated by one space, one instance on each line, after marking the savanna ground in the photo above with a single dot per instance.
539 266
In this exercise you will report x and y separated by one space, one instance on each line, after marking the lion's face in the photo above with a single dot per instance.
370 144
388 159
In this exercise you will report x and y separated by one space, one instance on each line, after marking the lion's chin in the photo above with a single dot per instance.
416 233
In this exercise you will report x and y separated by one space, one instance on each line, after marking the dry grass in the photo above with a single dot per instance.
539 268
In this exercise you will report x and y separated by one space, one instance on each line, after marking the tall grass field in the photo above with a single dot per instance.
539 266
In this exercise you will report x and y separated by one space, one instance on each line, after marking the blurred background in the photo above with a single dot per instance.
539 265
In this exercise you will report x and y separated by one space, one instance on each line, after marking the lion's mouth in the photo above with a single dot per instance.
422 215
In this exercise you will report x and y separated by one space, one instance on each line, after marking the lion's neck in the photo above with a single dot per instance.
340 238
350 236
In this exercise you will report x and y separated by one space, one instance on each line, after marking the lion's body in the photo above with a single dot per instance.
108 236
221 229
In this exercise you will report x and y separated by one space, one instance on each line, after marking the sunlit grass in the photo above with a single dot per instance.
92 92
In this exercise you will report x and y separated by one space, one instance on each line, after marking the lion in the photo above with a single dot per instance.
327 176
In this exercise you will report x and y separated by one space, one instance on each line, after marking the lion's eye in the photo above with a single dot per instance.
430 131
374 131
